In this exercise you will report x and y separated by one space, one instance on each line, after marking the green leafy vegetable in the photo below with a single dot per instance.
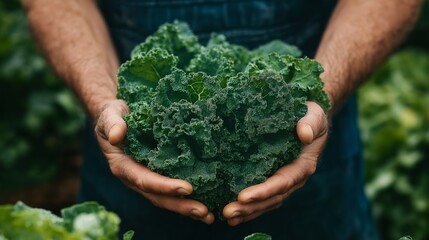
128 235
218 116
258 236
406 238
88 221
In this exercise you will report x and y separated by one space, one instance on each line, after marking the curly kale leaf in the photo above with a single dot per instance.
218 116
176 38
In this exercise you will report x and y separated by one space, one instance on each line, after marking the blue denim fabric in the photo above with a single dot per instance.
332 205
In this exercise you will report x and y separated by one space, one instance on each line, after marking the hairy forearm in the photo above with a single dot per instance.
76 42
358 38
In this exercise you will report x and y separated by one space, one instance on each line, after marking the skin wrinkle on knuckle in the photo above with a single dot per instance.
98 131
123 107
141 182
195 212
99 127
122 173
324 125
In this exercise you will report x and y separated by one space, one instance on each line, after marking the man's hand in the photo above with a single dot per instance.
256 200
161 191
358 38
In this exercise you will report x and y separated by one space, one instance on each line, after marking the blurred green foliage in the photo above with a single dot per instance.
84 221
40 119
394 121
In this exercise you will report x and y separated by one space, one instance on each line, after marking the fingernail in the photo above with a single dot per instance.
309 132
196 213
208 219
113 132
113 128
183 191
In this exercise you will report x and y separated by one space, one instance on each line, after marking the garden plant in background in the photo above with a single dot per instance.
40 119
84 221
394 120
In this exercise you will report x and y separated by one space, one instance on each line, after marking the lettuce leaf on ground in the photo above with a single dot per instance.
87 221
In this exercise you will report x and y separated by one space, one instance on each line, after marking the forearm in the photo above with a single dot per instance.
75 40
358 38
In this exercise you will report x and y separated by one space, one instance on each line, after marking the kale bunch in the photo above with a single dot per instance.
219 116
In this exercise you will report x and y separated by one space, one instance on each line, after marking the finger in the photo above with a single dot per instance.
281 182
313 124
136 175
312 128
110 124
241 219
187 207
237 209
117 132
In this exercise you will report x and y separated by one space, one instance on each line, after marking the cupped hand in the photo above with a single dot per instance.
256 200
161 191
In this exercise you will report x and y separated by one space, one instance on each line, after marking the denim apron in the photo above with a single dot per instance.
332 205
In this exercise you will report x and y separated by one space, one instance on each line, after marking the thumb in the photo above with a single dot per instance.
313 125
110 124
117 132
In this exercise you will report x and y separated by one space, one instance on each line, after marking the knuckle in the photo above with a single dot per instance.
123 108
141 183
100 125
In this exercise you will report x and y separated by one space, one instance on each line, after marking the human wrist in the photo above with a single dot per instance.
336 80
95 90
